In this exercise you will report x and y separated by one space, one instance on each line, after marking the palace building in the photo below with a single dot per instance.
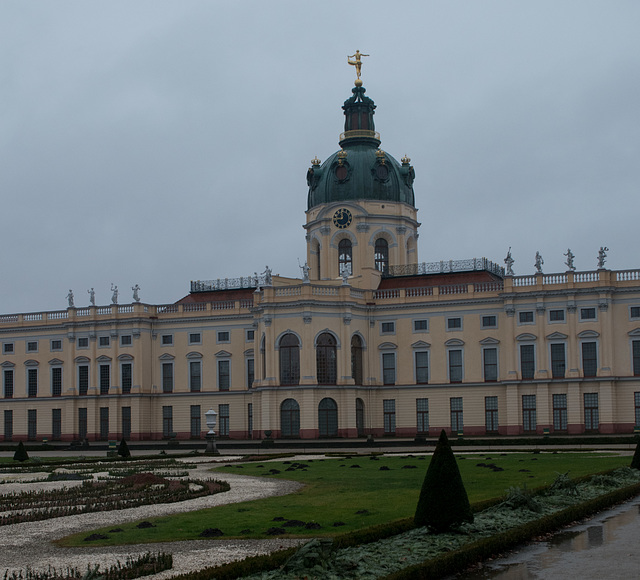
369 341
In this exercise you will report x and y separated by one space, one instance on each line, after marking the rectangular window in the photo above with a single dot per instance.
526 317
454 323
389 368
634 312
104 423
167 421
556 315
491 414
490 321
8 383
455 405
223 336
56 381
250 335
558 360
195 338
387 327
32 382
126 340
589 359
420 325
224 379
126 423
455 366
105 379
56 424
104 341
527 361
55 345
490 364
8 424
250 372
223 420
82 423
32 424
422 416
32 346
196 418
83 342
559 412
249 420
167 377
389 410
587 314
126 377
422 367
195 376
636 357
636 399
7 348
83 379
591 418
167 339
529 421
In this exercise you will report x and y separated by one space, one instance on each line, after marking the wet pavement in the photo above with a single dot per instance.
605 546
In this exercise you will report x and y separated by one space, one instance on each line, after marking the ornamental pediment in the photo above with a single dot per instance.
55 362
7 365
223 354
489 340
81 359
248 352
388 346
166 356
588 334
104 359
193 354
557 336
125 357
526 336
454 342
635 332
31 363
420 344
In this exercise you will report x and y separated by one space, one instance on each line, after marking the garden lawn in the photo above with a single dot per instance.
338 492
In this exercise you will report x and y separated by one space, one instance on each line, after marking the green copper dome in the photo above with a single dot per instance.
360 170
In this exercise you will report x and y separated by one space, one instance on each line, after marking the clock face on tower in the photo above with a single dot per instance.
342 218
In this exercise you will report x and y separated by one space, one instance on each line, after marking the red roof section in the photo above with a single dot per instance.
427 280
218 296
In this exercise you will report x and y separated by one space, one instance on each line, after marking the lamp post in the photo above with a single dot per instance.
211 417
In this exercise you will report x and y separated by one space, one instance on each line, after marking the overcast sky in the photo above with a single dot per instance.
157 142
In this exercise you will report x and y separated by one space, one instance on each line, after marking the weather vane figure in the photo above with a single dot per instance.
357 62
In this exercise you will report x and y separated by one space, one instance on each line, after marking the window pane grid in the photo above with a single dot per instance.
591 414
527 361
558 364
560 412
529 421
422 415
491 414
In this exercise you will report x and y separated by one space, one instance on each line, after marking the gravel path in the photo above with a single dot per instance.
30 543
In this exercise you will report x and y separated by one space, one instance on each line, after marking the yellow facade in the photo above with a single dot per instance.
369 341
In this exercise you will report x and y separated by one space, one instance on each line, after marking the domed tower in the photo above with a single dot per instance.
361 211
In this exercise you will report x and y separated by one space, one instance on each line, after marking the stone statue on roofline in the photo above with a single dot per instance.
70 298
539 262
92 297
602 256
114 296
569 263
509 263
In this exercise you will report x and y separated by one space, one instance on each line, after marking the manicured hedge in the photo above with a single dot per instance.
458 560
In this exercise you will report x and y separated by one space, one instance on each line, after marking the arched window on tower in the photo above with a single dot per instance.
356 359
289 360
326 367
345 257
315 249
382 255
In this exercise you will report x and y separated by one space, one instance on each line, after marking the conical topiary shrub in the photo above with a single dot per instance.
635 462
123 449
443 502
21 453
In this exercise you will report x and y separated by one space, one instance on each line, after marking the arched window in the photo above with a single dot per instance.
356 359
382 255
263 357
290 418
345 257
328 418
360 417
289 360
326 367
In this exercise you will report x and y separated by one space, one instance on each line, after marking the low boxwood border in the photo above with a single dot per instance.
446 564
462 558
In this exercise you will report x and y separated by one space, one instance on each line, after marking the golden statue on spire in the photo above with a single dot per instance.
358 64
